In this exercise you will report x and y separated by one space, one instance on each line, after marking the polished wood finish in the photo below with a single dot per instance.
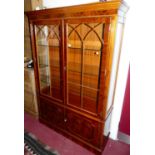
73 53
106 9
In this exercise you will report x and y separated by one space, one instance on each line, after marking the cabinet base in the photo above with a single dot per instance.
74 138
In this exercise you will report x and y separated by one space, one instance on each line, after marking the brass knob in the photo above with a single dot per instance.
65 120
69 45
96 53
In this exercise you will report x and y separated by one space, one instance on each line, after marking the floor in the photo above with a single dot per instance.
65 146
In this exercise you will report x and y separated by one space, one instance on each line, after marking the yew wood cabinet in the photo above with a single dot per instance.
73 50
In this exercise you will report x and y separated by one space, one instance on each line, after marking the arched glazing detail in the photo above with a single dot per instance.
48 48
85 43
45 33
73 65
53 32
85 30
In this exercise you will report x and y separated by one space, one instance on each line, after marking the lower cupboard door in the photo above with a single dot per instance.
84 128
52 114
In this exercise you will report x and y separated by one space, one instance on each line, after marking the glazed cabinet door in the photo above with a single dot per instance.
49 58
85 61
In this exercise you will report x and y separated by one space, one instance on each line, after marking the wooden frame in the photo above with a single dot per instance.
90 124
106 21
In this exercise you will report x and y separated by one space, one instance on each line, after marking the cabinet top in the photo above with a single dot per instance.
109 7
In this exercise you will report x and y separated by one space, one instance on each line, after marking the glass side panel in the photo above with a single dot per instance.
48 49
85 43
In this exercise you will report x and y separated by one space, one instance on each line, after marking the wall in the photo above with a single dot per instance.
122 72
59 3
121 77
124 125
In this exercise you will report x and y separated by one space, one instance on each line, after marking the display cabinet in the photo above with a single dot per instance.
73 50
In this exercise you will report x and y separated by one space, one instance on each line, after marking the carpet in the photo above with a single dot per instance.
33 146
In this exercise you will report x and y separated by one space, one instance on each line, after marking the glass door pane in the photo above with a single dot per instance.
48 52
84 50
92 52
74 67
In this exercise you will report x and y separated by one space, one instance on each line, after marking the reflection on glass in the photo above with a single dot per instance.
83 63
74 94
89 99
47 41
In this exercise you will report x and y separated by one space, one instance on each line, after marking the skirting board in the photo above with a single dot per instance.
123 137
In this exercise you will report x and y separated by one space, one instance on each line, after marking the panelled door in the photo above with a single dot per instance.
48 41
85 47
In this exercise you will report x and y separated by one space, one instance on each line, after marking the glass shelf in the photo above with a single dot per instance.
53 65
92 70
85 49
84 73
47 82
47 45
73 48
72 83
42 76
43 81
43 65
